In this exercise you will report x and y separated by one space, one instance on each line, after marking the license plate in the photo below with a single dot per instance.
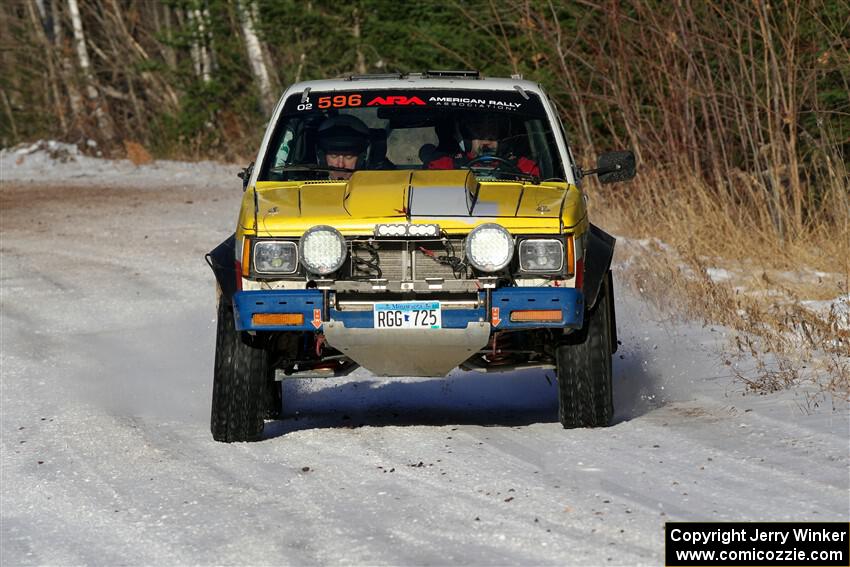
408 315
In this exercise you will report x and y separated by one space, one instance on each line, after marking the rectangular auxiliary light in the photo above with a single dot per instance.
407 230
281 319
537 316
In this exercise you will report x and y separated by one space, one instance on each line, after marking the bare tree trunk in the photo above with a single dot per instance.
775 98
200 54
195 48
41 10
355 31
301 60
104 122
789 41
247 11
274 76
66 69
41 23
165 47
8 108
209 40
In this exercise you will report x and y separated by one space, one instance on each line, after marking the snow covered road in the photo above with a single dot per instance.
107 331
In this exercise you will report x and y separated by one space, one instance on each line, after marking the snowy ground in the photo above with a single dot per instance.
107 331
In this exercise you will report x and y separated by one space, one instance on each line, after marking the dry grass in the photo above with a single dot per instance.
714 257
137 153
731 110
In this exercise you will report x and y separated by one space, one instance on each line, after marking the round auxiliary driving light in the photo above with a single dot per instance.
489 247
322 250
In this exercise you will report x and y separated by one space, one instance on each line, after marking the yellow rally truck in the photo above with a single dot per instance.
410 224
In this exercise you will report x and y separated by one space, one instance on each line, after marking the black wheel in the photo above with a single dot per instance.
584 369
240 398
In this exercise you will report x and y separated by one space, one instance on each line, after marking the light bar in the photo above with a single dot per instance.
536 316
409 230
283 319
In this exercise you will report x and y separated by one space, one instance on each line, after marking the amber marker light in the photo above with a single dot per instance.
536 316
571 254
246 257
280 319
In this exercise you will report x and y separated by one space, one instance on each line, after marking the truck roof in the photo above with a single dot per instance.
467 80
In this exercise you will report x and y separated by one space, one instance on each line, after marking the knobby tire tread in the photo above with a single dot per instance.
239 384
585 370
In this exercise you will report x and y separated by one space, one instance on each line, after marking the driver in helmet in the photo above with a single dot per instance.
482 138
343 141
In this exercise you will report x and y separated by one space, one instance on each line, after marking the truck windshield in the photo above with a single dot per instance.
498 135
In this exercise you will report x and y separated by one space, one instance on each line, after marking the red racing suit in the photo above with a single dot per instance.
524 164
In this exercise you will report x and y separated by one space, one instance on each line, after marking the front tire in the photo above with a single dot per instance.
240 389
585 371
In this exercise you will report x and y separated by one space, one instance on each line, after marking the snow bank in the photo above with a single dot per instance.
53 163
840 307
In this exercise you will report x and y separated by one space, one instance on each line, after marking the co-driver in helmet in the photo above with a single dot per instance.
483 148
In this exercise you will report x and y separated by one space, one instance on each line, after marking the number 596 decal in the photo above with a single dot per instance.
340 101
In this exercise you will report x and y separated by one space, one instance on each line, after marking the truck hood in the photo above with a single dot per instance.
417 195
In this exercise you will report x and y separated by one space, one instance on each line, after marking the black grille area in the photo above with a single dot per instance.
398 260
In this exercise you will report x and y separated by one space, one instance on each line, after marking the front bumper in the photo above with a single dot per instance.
316 309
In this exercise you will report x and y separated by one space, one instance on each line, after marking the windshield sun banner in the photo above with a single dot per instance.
479 100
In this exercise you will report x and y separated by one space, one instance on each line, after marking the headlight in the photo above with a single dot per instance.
322 250
489 247
274 257
541 255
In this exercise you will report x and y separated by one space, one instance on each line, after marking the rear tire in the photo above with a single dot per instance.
240 390
585 371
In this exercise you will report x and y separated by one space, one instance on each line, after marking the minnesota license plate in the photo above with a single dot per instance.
408 315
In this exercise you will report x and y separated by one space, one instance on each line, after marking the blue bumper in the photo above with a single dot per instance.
310 304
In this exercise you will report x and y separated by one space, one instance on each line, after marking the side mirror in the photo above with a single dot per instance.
245 175
612 167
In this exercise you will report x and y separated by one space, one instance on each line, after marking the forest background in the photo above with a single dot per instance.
738 112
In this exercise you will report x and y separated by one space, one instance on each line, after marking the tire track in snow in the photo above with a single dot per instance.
128 387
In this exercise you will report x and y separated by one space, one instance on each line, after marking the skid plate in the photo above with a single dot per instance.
408 352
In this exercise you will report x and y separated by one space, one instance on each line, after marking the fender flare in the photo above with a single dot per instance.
613 313
597 263
597 272
221 260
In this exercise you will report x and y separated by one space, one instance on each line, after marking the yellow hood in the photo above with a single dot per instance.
450 197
